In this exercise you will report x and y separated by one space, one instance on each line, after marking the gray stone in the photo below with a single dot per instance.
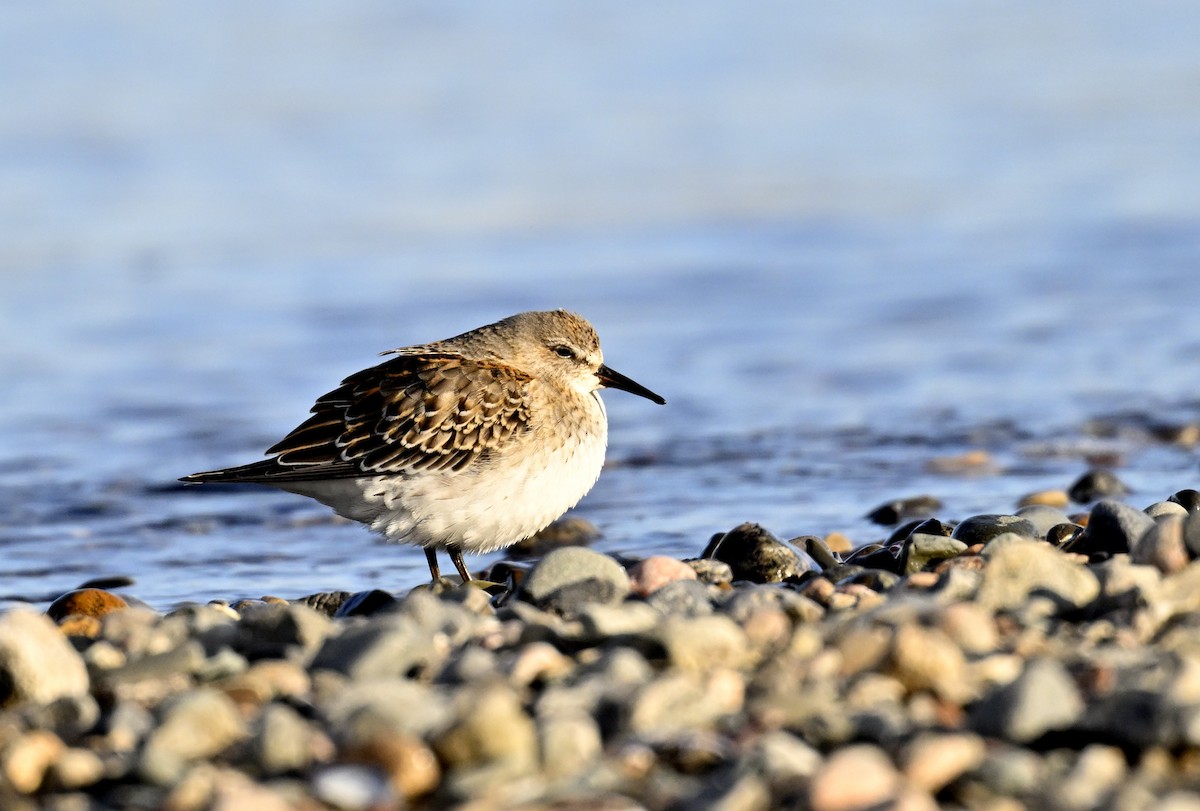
1024 567
1042 699
743 602
602 621
570 743
273 630
756 555
983 528
702 643
194 726
1096 484
685 598
281 741
1163 546
1161 508
37 663
1112 527
567 578
385 646
1191 534
1043 518
923 549
359 711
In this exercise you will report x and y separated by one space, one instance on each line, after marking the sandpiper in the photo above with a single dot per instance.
467 444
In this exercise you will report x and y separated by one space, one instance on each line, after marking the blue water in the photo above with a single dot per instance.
840 241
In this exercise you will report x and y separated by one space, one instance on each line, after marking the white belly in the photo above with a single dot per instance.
479 509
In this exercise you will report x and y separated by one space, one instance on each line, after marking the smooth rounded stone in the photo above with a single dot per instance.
538 662
1191 535
680 701
1113 527
854 778
817 549
926 659
1012 771
628 619
983 528
712 572
491 729
214 627
1023 567
410 766
786 761
702 643
1163 508
1096 484
754 554
1163 546
649 575
126 725
1188 499
1043 517
933 760
1097 771
922 549
358 710
272 630
194 726
743 603
1042 699
570 743
387 646
569 531
156 673
74 769
325 602
897 510
266 680
281 741
85 602
568 578
25 761
37 663
1061 535
365 603
685 598
971 627
350 787
1058 499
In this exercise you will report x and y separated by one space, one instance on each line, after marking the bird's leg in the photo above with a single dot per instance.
431 556
456 556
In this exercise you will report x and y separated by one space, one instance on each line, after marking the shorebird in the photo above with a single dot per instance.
468 444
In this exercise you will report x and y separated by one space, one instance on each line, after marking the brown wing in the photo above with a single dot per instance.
419 411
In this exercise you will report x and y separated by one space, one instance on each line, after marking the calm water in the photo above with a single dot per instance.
840 242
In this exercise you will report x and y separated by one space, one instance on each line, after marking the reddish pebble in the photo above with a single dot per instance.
650 575
85 602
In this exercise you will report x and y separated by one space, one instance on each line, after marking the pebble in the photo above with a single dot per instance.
196 725
1043 518
567 578
1042 699
755 555
854 778
1057 499
983 528
935 760
37 663
902 509
1163 546
649 575
1022 567
569 531
1113 527
90 602
25 761
1096 484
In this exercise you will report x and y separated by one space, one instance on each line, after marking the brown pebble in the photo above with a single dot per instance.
80 625
87 602
969 462
410 765
922 580
1048 498
837 542
934 761
649 575
853 778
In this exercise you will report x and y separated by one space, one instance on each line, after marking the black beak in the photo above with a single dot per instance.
616 380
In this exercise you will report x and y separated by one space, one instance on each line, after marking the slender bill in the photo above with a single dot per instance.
615 380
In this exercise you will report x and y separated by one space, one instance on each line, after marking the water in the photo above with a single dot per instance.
840 243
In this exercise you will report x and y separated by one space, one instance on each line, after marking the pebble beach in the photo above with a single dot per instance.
1046 658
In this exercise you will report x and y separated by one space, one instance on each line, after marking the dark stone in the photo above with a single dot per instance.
365 603
898 509
817 550
754 554
1113 528
1191 535
1188 499
1060 534
325 602
982 528
1096 484
563 532
874 556
684 598
901 533
874 579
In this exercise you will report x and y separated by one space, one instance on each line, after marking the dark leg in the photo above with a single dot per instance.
456 556
431 556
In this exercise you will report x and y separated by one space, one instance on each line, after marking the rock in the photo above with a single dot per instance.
897 510
601 622
75 769
1042 699
37 663
359 711
1163 508
410 766
1057 499
787 762
817 549
570 743
1096 484
25 761
194 726
1191 535
854 778
1097 771
702 643
757 556
934 760
926 659
679 701
684 598
271 630
349 787
325 602
387 646
1112 527
922 550
712 572
1043 518
493 730
649 575
1162 546
564 532
1188 499
281 741
1024 567
85 602
982 528
365 603
568 578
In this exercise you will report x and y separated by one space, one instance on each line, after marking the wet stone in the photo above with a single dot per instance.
755 555
365 603
1113 527
85 602
1188 499
817 549
1160 509
982 528
1096 484
897 510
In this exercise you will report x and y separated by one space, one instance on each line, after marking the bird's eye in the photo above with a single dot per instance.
564 351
